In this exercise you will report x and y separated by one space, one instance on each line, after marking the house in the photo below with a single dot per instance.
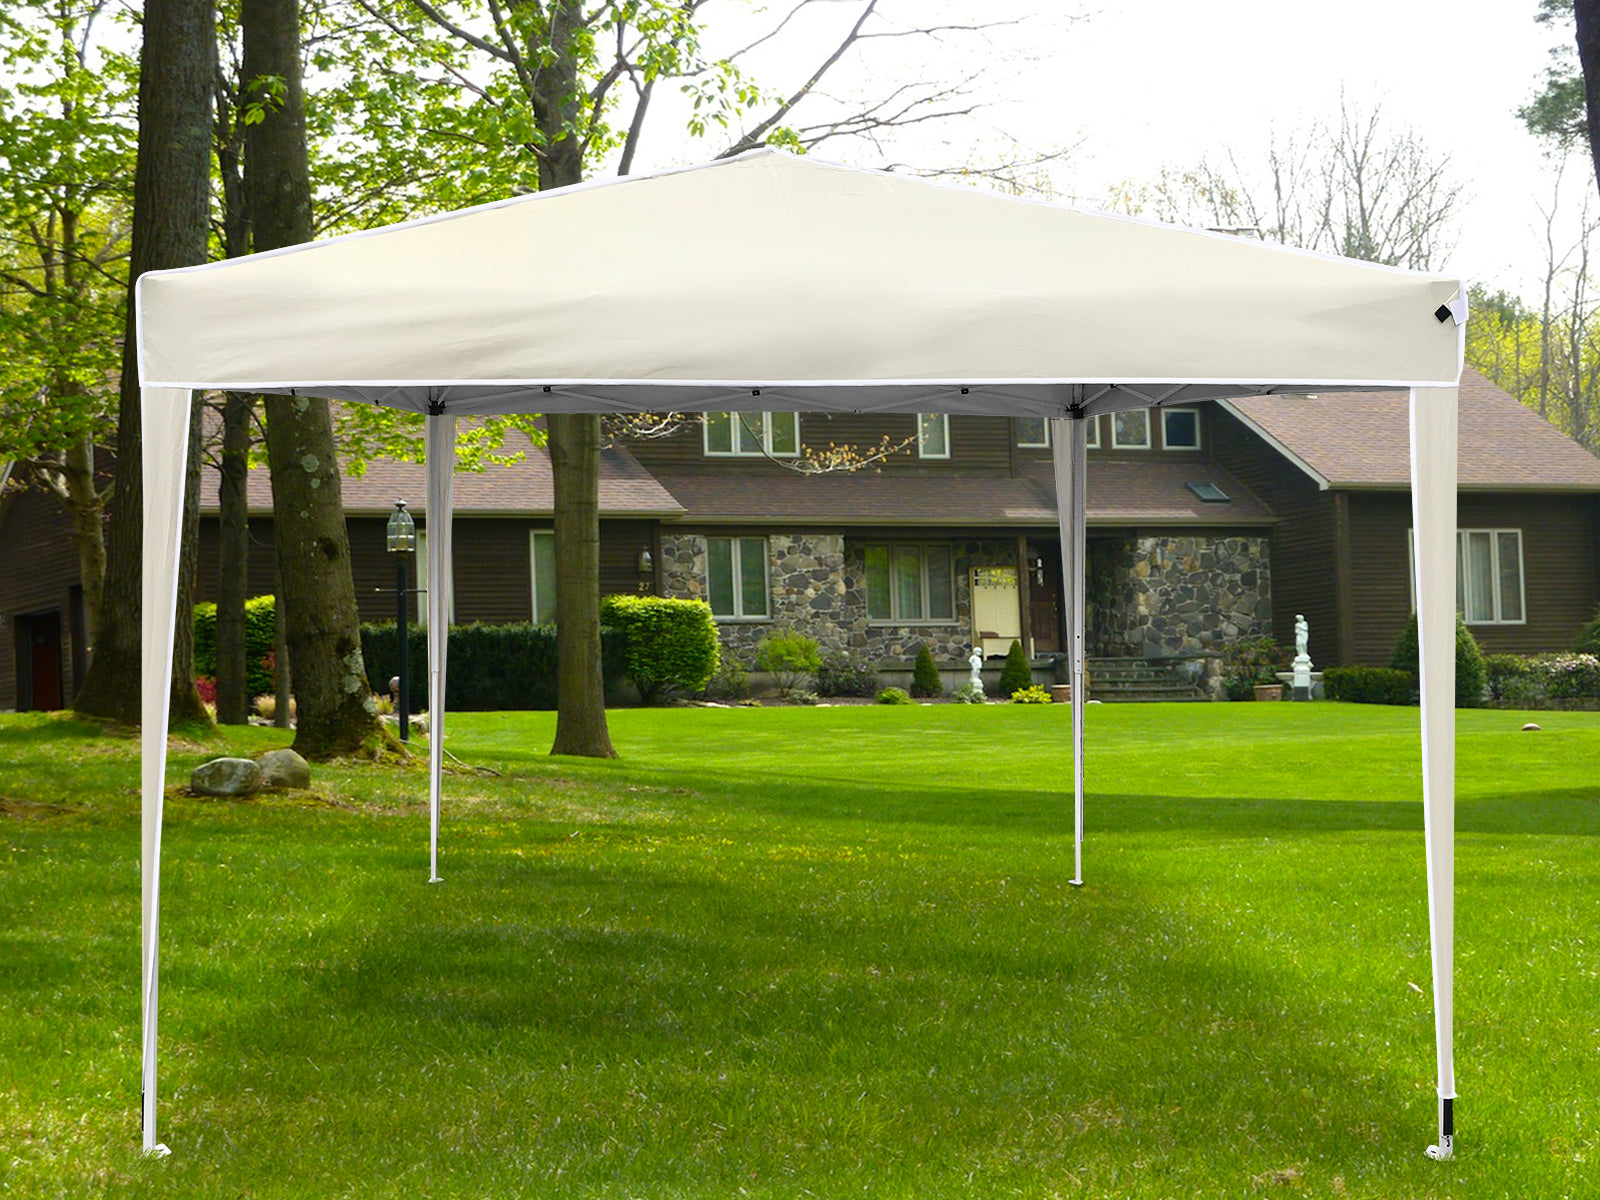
1207 525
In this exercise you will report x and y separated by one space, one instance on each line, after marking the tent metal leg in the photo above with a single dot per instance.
164 428
1070 440
1433 498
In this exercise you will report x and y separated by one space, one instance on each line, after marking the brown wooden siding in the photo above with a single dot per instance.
38 575
1559 569
1303 559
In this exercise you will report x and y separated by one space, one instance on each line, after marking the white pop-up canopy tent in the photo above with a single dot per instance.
773 283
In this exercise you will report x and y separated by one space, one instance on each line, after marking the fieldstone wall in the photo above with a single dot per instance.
1160 597
817 585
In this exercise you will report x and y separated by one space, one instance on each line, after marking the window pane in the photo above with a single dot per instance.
785 432
719 433
1480 577
719 575
1033 431
1181 428
753 577
1131 429
1093 439
748 431
1510 546
908 583
878 606
933 436
941 601
544 577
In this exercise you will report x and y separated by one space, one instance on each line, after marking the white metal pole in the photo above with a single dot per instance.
1070 447
440 451
1433 507
164 430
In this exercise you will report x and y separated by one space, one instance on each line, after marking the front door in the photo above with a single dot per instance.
44 660
1044 598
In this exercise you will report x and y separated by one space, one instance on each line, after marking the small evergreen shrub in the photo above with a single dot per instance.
259 630
792 659
894 695
1471 675
672 645
1589 636
1369 685
971 693
925 678
1032 694
844 675
1016 674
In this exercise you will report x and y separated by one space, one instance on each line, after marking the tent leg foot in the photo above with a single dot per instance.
159 1150
1445 1150
436 879
1075 882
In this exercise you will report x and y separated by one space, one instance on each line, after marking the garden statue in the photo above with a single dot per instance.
976 663
1302 661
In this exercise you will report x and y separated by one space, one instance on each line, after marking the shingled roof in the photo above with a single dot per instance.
1363 440
524 488
1119 493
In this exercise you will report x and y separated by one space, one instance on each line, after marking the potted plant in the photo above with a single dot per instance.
1250 670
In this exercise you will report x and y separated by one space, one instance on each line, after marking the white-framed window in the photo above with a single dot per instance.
422 585
542 564
933 435
752 433
1033 433
1180 428
1489 581
736 578
1130 430
909 583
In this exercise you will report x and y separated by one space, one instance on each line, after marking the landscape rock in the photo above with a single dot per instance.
1530 727
226 777
284 769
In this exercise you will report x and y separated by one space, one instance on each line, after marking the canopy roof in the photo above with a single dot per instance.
825 287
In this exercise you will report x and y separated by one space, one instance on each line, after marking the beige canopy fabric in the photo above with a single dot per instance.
771 282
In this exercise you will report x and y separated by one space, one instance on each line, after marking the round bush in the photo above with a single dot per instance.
894 695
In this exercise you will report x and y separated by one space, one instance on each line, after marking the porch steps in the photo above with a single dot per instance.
1126 680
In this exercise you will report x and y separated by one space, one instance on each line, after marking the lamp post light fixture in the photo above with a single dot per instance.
402 539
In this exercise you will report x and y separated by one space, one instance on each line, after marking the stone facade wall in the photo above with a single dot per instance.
817 585
1161 597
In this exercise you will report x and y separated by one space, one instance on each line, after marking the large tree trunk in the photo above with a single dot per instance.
233 560
86 502
1586 14
335 711
171 203
574 441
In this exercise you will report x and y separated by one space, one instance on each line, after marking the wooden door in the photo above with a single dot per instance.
44 650
1044 599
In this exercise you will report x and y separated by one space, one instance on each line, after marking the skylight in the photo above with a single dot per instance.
1209 492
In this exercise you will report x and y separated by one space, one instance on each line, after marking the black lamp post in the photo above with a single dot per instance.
402 537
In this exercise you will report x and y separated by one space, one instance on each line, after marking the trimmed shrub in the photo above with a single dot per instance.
791 658
925 678
1589 636
894 695
259 630
1471 675
1247 663
1369 685
671 644
1016 674
1511 677
490 667
971 693
842 675
1032 694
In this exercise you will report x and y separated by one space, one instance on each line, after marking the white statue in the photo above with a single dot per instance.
1302 634
1302 661
976 663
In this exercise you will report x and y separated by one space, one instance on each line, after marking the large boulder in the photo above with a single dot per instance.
284 769
226 777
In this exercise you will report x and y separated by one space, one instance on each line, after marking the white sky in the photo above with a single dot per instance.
1134 85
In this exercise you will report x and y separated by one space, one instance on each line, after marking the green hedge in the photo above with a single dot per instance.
491 667
1369 685
671 644
259 630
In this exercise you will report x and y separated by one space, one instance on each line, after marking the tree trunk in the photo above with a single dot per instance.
1586 14
87 504
335 711
233 560
574 442
171 203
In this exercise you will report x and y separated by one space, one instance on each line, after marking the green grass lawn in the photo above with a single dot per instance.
814 952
